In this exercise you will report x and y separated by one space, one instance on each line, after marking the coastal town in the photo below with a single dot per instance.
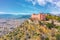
38 27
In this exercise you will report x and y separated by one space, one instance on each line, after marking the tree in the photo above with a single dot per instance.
50 25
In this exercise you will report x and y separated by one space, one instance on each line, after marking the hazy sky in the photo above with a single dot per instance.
29 6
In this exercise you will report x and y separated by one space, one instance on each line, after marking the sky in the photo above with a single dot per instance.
29 6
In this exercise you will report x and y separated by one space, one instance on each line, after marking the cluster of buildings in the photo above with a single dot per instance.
42 17
39 17
35 18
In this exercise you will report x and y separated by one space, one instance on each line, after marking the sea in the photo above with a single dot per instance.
12 16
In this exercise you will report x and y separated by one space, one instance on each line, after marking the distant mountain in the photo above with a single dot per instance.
58 15
11 16
55 14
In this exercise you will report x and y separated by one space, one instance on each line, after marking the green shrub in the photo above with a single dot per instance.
49 25
58 37
58 19
47 38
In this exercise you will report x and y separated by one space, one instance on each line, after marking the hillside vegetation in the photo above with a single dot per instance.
34 31
31 31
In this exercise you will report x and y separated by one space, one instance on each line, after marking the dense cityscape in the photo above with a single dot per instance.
7 25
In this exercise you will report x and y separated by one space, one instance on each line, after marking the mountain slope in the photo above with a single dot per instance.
29 31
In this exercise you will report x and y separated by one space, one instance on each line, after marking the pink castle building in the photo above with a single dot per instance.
38 16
